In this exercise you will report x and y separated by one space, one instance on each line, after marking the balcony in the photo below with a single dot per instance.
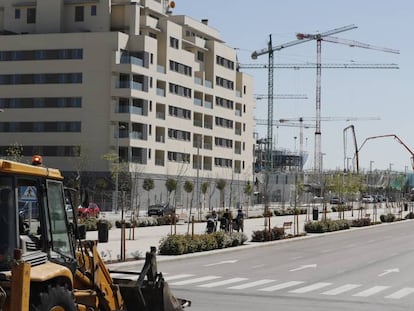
130 85
132 60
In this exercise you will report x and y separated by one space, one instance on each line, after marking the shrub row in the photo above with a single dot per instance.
410 215
290 211
388 218
265 235
326 226
183 244
91 223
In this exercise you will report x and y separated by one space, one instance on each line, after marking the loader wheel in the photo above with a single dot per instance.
57 298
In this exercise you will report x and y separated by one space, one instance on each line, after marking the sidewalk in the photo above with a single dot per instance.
139 240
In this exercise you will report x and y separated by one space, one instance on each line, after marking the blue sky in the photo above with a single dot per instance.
362 93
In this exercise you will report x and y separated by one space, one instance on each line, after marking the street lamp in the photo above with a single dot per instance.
119 128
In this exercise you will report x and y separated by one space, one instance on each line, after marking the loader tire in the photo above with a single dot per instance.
56 298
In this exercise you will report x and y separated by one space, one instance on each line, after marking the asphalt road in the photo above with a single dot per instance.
362 269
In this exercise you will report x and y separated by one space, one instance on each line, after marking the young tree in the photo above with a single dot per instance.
221 185
204 188
188 187
15 152
148 185
248 191
171 185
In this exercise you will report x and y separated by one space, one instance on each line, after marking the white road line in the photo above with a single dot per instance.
401 293
310 288
341 289
371 291
224 282
252 284
196 280
281 286
177 277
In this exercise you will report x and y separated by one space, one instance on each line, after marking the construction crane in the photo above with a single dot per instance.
289 123
281 96
298 66
270 49
326 37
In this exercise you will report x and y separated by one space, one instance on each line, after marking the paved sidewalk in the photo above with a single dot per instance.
139 240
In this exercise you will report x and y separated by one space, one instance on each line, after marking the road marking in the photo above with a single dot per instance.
221 263
401 293
389 271
341 289
310 288
252 284
196 280
281 286
224 282
304 267
177 276
371 291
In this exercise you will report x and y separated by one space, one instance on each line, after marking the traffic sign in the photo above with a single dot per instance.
29 193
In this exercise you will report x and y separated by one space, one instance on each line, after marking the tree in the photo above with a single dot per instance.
148 185
15 152
171 185
248 191
204 188
221 185
188 187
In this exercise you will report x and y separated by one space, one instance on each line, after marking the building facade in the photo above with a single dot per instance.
80 79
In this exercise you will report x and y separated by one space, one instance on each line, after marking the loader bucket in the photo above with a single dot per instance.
150 292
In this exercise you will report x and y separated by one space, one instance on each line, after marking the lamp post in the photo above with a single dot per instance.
122 255
118 128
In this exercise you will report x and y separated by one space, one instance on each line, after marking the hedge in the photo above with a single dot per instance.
183 244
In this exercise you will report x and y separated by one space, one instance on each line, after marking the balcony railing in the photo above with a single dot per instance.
132 60
130 85
160 92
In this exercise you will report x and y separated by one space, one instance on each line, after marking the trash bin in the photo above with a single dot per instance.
102 231
315 213
81 231
405 207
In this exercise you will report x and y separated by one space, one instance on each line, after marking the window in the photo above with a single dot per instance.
79 14
93 10
200 56
31 15
17 14
174 42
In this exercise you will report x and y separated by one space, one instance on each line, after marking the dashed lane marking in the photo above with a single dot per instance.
196 280
224 282
252 284
341 289
310 288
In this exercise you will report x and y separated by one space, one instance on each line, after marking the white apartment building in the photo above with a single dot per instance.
83 78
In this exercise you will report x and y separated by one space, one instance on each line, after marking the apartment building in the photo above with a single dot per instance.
80 79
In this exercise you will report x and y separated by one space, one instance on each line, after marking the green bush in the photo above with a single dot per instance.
387 218
264 235
410 215
361 222
326 226
183 244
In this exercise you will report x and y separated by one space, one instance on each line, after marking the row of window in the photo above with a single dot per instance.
179 112
180 135
181 68
224 62
222 162
223 142
224 122
41 54
40 78
226 103
225 83
48 151
180 90
31 13
41 102
19 127
179 157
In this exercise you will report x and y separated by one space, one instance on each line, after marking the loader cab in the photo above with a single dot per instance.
33 219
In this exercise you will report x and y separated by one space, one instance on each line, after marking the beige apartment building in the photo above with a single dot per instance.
80 79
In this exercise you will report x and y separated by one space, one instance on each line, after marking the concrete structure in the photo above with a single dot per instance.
80 79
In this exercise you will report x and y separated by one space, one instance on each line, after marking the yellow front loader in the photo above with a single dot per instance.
44 266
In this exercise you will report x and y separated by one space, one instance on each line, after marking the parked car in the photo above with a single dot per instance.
367 199
162 209
91 211
336 200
